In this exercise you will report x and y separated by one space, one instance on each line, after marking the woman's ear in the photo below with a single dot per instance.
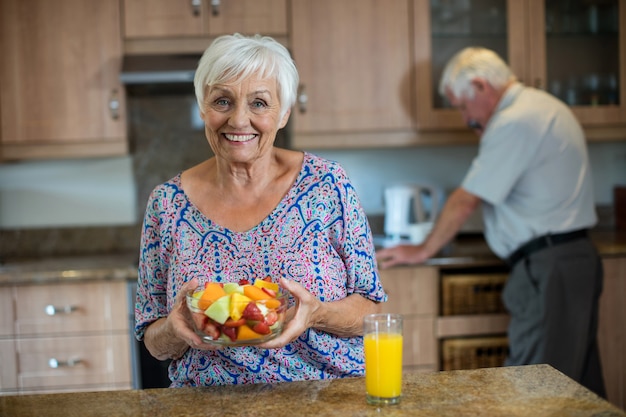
285 118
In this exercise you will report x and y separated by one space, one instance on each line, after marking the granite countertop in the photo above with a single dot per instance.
465 251
534 390
68 269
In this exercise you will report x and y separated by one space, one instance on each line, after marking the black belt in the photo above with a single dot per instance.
543 242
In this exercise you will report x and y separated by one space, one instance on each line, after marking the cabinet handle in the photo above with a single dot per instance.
195 7
303 99
114 105
215 7
54 363
53 310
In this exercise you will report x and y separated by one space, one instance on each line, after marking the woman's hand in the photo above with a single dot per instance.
171 336
343 318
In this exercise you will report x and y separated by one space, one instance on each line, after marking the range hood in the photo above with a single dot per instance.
159 69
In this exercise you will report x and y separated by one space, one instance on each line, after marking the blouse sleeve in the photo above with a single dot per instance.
355 244
151 301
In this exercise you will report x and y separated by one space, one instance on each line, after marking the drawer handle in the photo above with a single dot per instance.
53 310
303 99
54 363
215 7
195 7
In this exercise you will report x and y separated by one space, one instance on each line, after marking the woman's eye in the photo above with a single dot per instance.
222 102
258 104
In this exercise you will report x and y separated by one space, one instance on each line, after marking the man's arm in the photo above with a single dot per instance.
458 208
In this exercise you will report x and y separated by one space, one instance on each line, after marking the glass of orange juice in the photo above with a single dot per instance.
382 340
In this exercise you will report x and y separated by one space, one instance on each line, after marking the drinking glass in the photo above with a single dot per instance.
382 342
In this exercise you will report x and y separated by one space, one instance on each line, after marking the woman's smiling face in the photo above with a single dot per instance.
242 118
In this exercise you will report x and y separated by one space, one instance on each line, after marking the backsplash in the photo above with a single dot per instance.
163 142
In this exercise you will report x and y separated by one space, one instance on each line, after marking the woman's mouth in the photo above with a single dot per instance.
239 138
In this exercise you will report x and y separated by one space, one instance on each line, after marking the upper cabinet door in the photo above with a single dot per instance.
571 48
354 60
266 17
444 27
191 18
579 55
162 18
59 78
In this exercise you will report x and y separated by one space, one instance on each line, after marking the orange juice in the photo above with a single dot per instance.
383 364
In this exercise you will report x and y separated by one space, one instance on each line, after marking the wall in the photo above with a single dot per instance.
372 170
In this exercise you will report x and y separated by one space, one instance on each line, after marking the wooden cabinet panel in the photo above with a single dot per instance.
354 60
612 330
103 360
161 18
88 337
8 366
80 307
267 17
59 79
412 290
413 293
181 18
7 313
420 347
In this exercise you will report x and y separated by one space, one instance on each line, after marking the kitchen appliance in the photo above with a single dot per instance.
407 205
147 371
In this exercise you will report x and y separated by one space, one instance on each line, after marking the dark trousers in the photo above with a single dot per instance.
552 296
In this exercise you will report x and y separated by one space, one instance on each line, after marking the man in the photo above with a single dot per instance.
533 179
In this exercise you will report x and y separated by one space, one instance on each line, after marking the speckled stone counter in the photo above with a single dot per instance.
67 269
536 390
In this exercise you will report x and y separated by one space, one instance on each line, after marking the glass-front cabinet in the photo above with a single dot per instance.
575 49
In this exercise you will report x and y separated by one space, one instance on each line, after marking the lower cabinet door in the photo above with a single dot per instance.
76 363
8 367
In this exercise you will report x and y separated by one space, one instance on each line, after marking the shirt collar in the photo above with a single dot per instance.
510 95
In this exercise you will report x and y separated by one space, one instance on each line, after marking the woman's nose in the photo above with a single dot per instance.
239 116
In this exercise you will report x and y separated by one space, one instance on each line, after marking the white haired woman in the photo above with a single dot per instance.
255 210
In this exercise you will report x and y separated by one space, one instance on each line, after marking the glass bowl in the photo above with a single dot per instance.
238 314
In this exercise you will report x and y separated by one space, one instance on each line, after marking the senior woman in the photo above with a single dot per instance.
255 210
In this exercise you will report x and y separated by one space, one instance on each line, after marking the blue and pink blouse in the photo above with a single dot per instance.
318 235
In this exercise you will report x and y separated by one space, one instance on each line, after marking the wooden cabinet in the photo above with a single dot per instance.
612 330
65 337
152 26
354 60
531 36
413 293
60 95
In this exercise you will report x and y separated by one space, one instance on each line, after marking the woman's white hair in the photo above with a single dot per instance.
236 56
469 64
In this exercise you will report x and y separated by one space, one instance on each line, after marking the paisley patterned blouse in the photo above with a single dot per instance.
318 235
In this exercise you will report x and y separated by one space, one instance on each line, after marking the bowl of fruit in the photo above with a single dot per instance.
238 313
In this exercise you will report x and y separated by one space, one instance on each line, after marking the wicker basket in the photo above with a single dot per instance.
473 353
472 294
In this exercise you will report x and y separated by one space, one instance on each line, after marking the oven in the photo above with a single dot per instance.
147 371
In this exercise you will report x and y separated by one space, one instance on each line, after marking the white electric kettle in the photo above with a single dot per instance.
410 204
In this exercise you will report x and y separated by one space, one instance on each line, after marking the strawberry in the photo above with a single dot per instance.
231 332
244 281
269 292
261 328
234 323
211 329
252 312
